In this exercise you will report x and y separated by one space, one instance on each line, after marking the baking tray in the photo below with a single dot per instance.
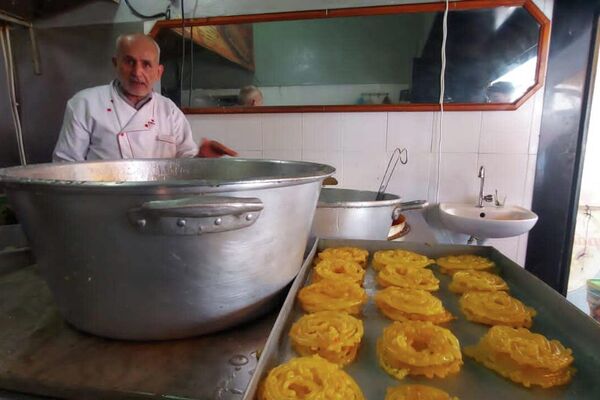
557 319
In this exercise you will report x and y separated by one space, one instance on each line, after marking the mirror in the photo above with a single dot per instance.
357 59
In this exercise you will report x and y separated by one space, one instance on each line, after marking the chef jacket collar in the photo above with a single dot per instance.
119 89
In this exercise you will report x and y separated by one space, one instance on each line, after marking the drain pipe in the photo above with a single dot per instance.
10 82
35 53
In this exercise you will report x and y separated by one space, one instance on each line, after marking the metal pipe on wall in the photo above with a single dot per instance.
13 20
35 52
10 82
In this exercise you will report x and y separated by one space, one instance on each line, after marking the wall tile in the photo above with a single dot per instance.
460 132
549 7
522 249
412 130
536 122
333 158
527 198
250 153
363 170
506 132
294 155
458 177
410 181
507 173
540 3
364 131
506 246
208 126
240 131
282 131
322 131
529 181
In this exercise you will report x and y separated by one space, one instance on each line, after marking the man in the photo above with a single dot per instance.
126 119
250 96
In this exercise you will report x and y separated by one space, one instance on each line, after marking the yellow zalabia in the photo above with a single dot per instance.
333 335
338 268
309 378
417 392
333 295
406 258
355 254
418 348
524 357
451 264
411 304
407 277
496 308
476 281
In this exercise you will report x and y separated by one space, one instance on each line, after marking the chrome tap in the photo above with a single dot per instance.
482 197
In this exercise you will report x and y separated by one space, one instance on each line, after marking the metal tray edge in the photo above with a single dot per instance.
271 346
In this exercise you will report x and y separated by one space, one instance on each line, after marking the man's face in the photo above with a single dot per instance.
258 100
137 66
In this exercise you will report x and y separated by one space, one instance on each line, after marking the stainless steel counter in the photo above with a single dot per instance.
34 337
41 354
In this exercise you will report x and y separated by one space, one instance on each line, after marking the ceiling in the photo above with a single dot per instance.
30 10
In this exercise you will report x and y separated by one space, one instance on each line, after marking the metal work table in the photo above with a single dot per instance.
40 353
43 355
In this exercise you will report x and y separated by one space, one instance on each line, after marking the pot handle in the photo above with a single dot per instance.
195 215
410 205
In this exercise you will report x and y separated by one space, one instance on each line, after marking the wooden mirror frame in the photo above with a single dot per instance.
458 5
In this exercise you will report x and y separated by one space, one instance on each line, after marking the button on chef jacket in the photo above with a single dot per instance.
100 125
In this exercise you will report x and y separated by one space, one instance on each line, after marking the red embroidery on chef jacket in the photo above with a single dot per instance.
108 109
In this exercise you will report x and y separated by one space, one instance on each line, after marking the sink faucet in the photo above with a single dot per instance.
482 197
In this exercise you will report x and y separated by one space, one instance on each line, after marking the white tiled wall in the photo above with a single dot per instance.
358 145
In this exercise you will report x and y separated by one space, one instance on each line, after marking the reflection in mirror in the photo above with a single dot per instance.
492 57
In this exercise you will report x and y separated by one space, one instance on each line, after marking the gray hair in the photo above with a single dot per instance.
247 92
132 36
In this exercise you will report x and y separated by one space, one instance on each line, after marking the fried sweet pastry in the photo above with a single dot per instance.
406 258
308 378
411 305
332 335
496 308
407 277
476 281
338 268
418 348
417 392
451 264
332 295
355 254
524 357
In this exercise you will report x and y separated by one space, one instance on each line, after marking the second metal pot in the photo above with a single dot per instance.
355 214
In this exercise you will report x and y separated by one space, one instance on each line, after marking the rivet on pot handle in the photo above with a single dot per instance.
195 215
409 205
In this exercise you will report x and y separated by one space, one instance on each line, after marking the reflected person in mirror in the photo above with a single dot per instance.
126 119
250 96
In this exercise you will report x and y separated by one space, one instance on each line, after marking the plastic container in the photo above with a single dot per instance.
593 298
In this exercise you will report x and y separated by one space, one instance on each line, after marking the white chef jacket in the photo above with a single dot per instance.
100 125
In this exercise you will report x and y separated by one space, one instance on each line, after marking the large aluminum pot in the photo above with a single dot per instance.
161 249
355 214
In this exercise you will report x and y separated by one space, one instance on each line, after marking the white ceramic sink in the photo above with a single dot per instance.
487 222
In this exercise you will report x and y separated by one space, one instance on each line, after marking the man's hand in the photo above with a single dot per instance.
214 149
